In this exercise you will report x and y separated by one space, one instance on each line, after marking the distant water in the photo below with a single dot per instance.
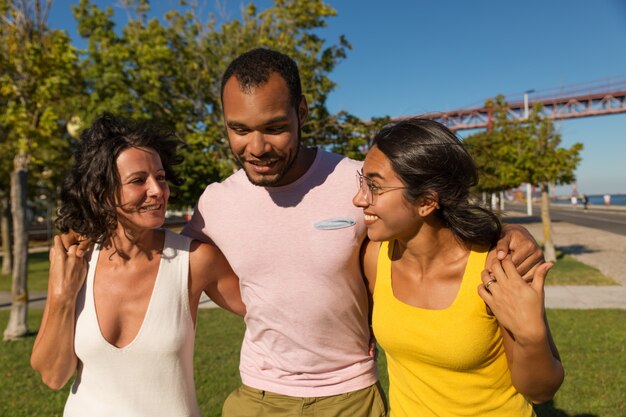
616 200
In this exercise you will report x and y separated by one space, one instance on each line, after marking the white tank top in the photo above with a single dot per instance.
151 376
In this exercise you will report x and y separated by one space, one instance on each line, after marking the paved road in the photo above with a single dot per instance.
597 218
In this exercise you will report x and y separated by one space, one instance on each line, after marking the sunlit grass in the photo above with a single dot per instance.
569 271
591 343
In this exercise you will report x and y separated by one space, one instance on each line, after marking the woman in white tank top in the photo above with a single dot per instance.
122 317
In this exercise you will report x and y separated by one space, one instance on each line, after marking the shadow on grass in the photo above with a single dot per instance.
548 409
573 250
523 219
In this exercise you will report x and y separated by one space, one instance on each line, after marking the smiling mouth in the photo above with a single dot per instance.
152 207
370 217
266 163
262 167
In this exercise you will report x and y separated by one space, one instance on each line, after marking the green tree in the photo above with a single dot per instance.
170 69
5 175
493 149
346 134
5 206
528 151
542 162
39 73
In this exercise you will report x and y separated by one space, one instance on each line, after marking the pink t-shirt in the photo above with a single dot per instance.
296 251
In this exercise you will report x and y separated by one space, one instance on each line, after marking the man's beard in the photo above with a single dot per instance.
272 182
276 178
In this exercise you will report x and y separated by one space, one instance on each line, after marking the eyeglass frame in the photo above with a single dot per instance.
372 189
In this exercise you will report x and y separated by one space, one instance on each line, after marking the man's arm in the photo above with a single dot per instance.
210 272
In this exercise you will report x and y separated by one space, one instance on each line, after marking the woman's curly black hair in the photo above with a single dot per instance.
430 160
91 188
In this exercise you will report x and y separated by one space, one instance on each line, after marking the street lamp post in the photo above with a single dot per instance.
529 188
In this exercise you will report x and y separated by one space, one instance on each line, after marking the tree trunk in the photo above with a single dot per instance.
548 245
502 201
18 326
7 239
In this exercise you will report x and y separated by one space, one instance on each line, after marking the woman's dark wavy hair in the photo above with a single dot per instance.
429 159
90 190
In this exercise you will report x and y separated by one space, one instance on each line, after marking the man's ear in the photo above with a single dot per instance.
303 110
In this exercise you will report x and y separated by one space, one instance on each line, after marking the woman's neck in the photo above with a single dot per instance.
127 244
432 247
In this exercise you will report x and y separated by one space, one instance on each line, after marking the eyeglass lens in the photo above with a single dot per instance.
364 186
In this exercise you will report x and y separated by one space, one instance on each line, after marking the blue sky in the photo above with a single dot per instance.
413 57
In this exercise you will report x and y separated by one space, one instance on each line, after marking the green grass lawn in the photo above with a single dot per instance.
569 271
38 265
566 271
591 343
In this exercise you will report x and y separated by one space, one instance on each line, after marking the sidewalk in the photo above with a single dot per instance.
566 297
603 250
37 299
585 297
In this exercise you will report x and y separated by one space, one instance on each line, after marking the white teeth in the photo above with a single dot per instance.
262 163
152 207
370 217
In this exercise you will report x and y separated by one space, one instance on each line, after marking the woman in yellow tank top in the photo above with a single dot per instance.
459 340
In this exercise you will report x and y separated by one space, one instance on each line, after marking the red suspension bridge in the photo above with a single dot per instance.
595 98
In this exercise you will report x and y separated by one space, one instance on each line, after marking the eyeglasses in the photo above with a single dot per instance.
369 190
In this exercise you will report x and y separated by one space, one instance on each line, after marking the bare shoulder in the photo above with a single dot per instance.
369 261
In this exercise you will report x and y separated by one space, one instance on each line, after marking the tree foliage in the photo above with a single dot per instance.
166 68
38 75
494 150
170 69
530 151
514 152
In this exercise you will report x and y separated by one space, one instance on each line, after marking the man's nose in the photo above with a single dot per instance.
258 145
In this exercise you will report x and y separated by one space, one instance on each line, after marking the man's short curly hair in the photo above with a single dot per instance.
254 68
90 191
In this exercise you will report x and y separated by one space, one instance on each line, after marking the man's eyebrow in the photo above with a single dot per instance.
275 120
279 119
235 124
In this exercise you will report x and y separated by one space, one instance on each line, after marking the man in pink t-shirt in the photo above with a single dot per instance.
286 224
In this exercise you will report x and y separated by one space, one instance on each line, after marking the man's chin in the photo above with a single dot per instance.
269 180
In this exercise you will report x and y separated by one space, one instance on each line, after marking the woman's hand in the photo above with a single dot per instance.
67 271
517 304
72 238
532 356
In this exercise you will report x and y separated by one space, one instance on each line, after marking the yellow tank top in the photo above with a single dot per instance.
448 362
